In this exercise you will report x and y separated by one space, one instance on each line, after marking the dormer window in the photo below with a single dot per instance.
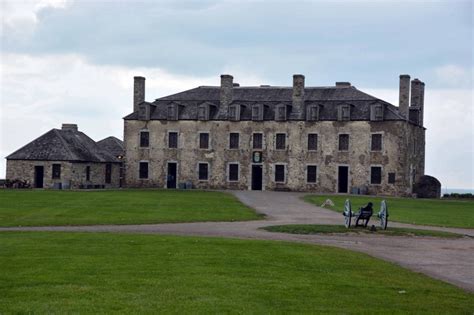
203 112
257 112
344 113
234 112
173 112
312 113
280 113
376 112
144 111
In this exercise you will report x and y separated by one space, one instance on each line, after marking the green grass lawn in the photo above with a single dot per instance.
130 273
37 207
329 229
449 213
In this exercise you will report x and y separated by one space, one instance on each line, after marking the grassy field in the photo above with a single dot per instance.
103 273
36 207
449 213
329 229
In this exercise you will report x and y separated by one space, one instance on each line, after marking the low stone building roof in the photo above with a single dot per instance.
113 145
328 98
66 144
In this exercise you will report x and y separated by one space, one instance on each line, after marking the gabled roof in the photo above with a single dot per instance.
63 145
113 145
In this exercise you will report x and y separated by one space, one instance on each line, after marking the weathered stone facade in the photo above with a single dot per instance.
68 159
293 112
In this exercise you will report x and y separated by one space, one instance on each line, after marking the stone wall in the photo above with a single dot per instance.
394 157
73 175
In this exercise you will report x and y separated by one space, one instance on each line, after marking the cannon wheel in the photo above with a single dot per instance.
347 214
383 215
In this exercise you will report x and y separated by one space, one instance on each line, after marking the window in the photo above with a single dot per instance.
280 112
279 173
391 178
173 112
344 113
376 142
203 171
233 140
257 141
234 112
88 173
376 112
280 143
204 140
203 112
56 171
257 112
173 140
312 113
375 175
311 172
108 173
233 172
312 142
343 142
144 139
143 170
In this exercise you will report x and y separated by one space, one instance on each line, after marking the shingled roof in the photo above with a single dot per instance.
113 145
328 98
67 144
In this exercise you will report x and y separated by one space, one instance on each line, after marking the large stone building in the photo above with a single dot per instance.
321 139
67 158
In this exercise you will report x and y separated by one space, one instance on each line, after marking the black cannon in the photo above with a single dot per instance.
364 214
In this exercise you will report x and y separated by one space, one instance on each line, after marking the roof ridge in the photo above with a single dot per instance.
63 142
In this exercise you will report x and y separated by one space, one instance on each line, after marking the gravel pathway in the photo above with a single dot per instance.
451 260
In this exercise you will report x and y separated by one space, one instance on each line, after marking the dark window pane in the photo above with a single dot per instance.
343 142
391 178
203 171
173 140
311 174
233 172
88 173
234 140
108 173
279 173
56 171
312 141
280 141
204 141
376 143
375 175
257 141
144 139
143 170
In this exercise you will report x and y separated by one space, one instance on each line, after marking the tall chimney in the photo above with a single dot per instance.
415 93
138 92
298 110
226 93
404 95
422 102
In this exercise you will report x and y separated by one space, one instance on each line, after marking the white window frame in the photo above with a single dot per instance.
317 174
317 141
228 172
286 141
370 174
208 171
381 142
349 140
168 139
148 172
140 138
209 140
285 172
263 140
228 140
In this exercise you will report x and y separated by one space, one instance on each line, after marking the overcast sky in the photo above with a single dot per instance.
74 61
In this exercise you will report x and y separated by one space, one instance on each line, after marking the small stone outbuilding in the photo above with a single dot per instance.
67 158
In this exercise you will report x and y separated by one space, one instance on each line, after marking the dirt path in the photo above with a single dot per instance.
451 260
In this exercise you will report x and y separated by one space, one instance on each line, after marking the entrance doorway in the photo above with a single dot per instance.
171 177
256 177
343 179
39 175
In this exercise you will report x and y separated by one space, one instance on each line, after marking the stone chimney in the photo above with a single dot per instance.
343 84
226 93
72 127
298 110
404 95
138 92
418 98
422 102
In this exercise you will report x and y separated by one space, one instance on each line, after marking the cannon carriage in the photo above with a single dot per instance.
364 214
